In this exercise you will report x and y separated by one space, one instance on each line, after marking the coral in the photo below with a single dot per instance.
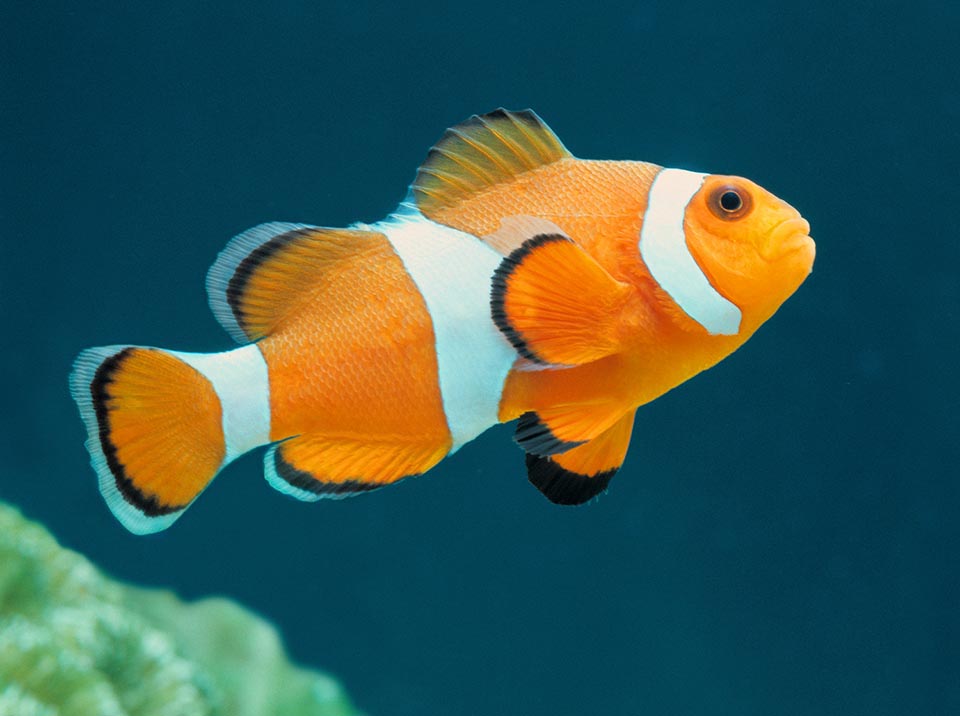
75 643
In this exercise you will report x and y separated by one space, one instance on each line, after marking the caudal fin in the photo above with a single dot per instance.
155 432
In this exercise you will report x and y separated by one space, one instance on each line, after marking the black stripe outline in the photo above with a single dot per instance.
308 482
149 505
564 487
237 285
500 286
536 437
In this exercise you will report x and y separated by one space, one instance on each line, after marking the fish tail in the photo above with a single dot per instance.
155 431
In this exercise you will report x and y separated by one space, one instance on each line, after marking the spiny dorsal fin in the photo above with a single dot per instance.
483 151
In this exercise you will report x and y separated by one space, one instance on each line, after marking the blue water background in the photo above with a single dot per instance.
783 538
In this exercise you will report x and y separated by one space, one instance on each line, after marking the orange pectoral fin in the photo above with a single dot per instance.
313 467
583 472
556 304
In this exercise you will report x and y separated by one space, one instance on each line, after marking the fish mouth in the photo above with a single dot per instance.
788 237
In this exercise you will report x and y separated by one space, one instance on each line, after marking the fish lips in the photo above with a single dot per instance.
789 237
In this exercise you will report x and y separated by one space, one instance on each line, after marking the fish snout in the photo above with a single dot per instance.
788 237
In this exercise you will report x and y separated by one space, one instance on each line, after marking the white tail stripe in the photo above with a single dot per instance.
663 247
452 270
240 380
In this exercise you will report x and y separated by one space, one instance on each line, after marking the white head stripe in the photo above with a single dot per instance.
663 247
240 380
452 270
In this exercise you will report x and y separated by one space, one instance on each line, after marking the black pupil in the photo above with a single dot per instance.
730 201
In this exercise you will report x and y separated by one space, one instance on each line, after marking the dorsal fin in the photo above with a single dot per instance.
483 151
265 272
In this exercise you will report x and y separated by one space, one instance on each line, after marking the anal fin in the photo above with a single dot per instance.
585 471
314 467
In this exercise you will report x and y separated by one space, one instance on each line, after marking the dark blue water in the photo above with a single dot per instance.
783 538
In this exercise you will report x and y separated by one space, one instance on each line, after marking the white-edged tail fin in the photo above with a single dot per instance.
154 431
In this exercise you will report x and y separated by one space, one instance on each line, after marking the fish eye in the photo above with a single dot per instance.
730 202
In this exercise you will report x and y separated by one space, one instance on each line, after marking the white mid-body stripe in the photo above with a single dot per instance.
453 271
663 247
240 380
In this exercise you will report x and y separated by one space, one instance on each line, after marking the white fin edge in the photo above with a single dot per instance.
281 485
84 371
226 265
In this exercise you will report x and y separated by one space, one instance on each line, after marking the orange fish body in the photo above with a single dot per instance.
515 281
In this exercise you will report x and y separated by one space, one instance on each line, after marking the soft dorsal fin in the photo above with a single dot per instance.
268 270
483 151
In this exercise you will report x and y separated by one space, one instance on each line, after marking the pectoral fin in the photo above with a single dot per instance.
556 304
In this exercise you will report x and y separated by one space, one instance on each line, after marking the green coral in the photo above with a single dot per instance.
74 643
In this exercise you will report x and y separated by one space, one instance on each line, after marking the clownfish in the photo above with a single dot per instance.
515 281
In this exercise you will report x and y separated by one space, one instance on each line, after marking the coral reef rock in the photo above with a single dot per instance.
75 643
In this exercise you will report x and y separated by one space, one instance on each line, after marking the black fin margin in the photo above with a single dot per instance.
563 487
521 116
526 117
474 139
149 505
535 437
305 481
498 292
237 286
